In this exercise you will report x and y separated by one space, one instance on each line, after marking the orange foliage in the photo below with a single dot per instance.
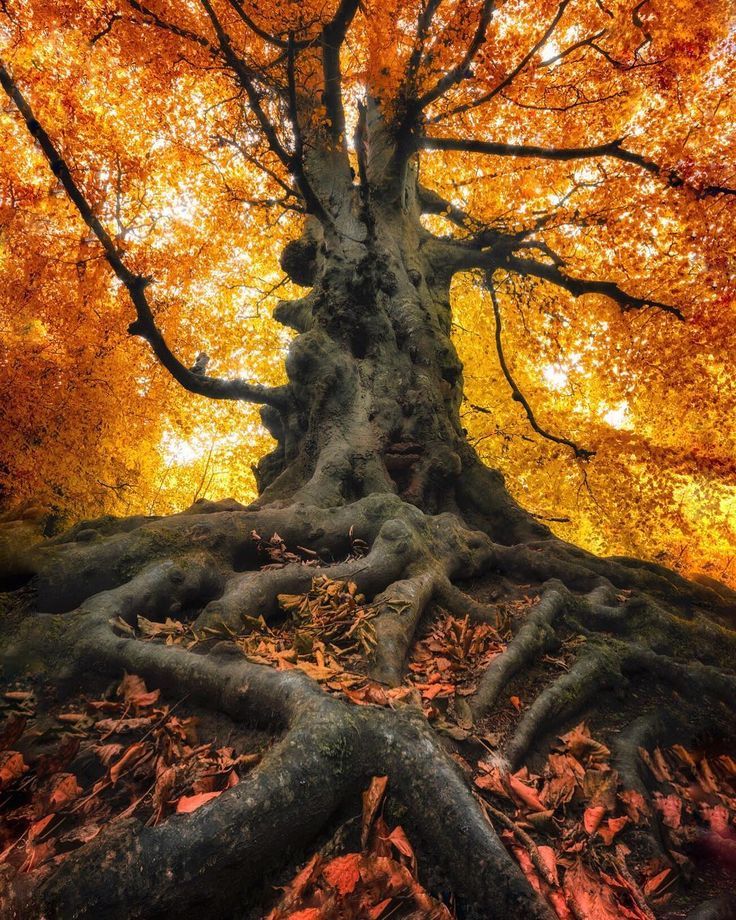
153 132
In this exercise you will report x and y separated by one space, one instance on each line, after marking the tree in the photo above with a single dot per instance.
338 115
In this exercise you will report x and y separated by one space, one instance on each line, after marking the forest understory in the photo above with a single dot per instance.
291 713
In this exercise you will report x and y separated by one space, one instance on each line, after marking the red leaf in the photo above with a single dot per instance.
375 912
637 807
343 872
593 817
608 831
549 860
491 780
12 767
372 798
64 789
38 827
189 803
399 839
525 793
301 882
579 743
123 726
589 896
654 883
670 807
134 753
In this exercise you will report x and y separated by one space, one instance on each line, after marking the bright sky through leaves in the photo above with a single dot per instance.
160 141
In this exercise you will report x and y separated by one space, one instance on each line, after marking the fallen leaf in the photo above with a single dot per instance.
609 830
123 726
131 686
655 883
12 767
38 827
372 798
670 807
190 803
63 789
549 860
593 817
134 753
343 872
589 895
579 743
524 793
637 807
399 839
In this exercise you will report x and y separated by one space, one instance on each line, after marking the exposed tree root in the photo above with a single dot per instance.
535 637
203 565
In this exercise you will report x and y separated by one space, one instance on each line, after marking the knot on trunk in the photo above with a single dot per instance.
299 261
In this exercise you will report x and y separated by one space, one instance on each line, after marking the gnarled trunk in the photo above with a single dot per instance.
375 381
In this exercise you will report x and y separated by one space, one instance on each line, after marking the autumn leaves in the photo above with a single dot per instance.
65 773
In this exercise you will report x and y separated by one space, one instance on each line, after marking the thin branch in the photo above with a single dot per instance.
457 74
171 27
423 23
298 155
433 203
255 28
513 74
580 286
245 78
548 62
612 149
292 161
144 325
516 394
105 30
250 158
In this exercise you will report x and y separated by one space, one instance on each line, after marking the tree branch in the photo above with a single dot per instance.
457 74
513 74
292 161
516 393
171 27
580 286
255 28
612 149
332 38
433 203
245 78
144 325
423 23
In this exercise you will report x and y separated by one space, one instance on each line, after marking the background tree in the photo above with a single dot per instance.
558 163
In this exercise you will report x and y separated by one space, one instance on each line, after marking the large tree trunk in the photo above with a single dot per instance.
376 381
370 448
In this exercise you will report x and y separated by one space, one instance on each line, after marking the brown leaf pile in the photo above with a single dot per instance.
377 883
112 758
577 807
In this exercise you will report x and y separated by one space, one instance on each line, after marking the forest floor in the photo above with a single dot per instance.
70 765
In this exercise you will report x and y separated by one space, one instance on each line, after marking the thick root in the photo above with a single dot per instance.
630 623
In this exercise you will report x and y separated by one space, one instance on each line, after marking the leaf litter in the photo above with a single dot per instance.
566 826
64 776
